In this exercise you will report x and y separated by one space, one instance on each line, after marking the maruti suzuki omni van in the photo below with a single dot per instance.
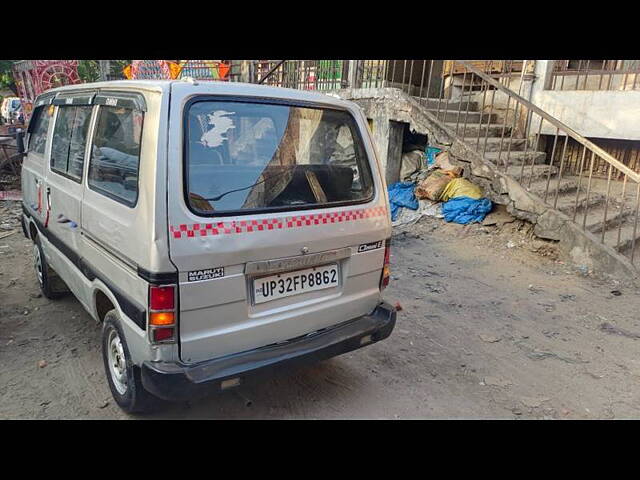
216 230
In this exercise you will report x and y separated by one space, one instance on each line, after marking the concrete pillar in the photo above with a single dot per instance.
394 151
105 69
387 138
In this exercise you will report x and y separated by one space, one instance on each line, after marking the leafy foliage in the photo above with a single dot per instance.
6 76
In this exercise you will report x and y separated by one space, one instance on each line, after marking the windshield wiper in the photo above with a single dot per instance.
219 197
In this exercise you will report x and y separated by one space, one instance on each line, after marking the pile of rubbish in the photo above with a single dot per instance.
432 185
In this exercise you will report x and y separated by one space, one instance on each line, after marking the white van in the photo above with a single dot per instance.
216 230
10 109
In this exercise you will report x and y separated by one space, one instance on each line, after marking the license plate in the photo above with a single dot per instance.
286 284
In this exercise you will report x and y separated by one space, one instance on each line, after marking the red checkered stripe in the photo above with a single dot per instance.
251 226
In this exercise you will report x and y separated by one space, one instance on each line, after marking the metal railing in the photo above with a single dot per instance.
301 74
595 75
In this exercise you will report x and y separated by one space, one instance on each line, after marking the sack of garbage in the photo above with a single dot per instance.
431 188
466 210
411 163
460 187
401 195
443 161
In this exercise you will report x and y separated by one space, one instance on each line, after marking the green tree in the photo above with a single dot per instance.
89 70
6 75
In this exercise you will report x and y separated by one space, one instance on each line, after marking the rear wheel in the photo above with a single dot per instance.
50 283
123 376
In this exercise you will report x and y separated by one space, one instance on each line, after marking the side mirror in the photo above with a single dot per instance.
20 141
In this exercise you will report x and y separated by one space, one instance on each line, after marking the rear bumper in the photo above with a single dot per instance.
176 381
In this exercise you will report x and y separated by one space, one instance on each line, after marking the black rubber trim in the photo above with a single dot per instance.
75 98
177 381
131 309
158 278
119 99
44 99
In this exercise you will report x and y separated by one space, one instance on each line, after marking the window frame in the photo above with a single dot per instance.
102 191
31 128
87 142
266 101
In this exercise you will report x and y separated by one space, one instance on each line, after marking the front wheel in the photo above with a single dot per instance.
50 283
123 376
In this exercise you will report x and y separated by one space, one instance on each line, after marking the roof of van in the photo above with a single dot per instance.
210 87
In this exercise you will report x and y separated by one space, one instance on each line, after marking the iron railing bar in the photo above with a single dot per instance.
553 154
635 224
404 72
485 87
535 150
564 149
466 115
622 214
410 85
464 79
586 200
486 130
575 209
504 128
527 125
424 67
429 81
606 203
578 75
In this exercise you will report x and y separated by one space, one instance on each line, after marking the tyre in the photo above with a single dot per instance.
123 376
50 283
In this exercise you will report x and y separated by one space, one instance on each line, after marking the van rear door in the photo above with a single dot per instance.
277 220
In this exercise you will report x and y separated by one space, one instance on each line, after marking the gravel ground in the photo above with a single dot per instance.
493 325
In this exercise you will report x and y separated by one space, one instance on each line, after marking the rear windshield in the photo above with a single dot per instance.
256 156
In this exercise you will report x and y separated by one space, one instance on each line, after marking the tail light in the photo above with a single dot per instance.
162 313
386 270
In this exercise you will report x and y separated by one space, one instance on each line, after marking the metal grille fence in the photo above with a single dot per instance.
595 75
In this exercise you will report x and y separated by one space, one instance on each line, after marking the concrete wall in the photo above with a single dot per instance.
592 113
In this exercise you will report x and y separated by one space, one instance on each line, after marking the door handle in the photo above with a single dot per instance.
62 219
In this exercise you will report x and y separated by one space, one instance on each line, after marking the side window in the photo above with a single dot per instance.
115 154
38 137
69 140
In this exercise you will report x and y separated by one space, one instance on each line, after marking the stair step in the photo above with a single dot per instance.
452 115
515 158
493 143
491 130
432 104
567 203
539 187
626 237
536 172
615 216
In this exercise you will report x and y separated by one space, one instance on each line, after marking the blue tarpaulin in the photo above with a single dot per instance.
466 210
401 195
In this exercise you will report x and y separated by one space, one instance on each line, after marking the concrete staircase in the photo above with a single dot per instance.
567 194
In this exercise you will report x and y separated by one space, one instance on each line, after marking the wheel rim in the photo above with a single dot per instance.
117 362
37 262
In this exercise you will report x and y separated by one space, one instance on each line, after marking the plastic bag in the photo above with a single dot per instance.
430 154
460 187
401 195
466 210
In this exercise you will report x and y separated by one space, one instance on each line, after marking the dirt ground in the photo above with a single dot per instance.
492 326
